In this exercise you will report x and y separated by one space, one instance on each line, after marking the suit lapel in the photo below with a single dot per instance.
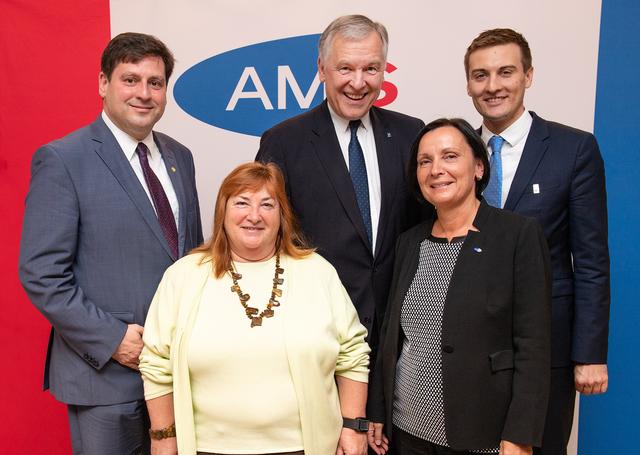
113 157
175 174
534 149
329 153
389 165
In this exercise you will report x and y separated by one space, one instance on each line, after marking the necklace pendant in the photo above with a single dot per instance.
279 270
277 292
250 311
267 313
244 297
236 276
235 288
278 280
256 321
274 302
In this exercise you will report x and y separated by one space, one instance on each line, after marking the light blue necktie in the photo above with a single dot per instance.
493 192
358 172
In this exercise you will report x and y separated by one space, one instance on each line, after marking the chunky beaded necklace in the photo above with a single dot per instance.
251 312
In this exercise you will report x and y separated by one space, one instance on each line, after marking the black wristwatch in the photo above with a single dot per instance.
360 424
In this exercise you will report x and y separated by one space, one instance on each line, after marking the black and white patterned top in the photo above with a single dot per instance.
418 405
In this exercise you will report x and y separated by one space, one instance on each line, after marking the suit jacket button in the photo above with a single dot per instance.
447 348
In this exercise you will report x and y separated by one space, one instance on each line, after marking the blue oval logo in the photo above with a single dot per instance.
250 89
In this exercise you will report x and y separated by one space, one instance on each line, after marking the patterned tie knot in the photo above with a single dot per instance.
142 150
496 143
353 126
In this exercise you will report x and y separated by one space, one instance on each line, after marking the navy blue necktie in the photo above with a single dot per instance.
160 200
493 192
358 172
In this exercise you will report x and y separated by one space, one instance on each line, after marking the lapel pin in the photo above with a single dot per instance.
388 134
173 169
536 188
477 249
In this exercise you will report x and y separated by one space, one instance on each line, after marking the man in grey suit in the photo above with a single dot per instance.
110 207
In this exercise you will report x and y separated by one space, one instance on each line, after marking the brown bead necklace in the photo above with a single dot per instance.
250 311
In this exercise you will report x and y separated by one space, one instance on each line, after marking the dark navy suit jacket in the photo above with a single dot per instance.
570 202
320 189
92 254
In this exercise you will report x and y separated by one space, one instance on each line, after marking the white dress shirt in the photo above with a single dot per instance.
368 144
515 136
128 146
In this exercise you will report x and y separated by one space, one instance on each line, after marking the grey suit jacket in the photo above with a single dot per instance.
92 254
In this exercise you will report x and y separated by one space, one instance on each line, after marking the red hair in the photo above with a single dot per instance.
253 176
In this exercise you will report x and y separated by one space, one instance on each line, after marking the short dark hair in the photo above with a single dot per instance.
471 137
131 48
497 37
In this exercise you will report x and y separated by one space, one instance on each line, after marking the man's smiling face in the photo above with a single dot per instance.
496 83
353 72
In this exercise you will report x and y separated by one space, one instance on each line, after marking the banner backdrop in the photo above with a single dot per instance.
242 67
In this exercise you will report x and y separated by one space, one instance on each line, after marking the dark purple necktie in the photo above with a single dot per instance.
160 200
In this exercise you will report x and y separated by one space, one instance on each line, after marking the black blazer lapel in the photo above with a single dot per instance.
175 174
113 157
327 148
390 168
534 149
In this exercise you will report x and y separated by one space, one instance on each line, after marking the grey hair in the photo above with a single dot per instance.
351 27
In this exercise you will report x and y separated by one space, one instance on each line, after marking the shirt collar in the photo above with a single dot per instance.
342 124
126 142
515 133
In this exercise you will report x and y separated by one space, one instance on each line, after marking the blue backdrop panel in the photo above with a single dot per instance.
609 423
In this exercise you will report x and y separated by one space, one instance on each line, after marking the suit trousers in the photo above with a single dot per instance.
407 444
557 427
121 429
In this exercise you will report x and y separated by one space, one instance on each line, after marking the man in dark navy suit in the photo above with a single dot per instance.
554 173
344 164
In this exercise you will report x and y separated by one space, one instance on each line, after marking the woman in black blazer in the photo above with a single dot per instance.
463 363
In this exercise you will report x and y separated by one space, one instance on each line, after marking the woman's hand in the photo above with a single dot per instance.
352 443
167 446
377 440
511 448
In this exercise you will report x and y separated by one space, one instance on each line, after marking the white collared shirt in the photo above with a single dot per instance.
515 136
128 146
368 144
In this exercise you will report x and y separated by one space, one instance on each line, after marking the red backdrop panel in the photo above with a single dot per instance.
50 59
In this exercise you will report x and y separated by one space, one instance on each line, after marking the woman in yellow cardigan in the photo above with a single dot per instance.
252 345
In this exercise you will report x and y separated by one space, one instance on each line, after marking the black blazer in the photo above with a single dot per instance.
320 190
571 206
495 333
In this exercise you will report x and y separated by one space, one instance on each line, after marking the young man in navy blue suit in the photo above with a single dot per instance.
554 173
110 207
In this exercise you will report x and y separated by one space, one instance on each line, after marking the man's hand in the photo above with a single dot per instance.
377 439
130 347
591 379
352 443
511 448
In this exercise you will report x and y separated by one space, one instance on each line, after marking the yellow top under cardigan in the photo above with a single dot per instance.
323 338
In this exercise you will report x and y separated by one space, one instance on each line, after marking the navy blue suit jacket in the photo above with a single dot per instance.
321 192
92 254
570 202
